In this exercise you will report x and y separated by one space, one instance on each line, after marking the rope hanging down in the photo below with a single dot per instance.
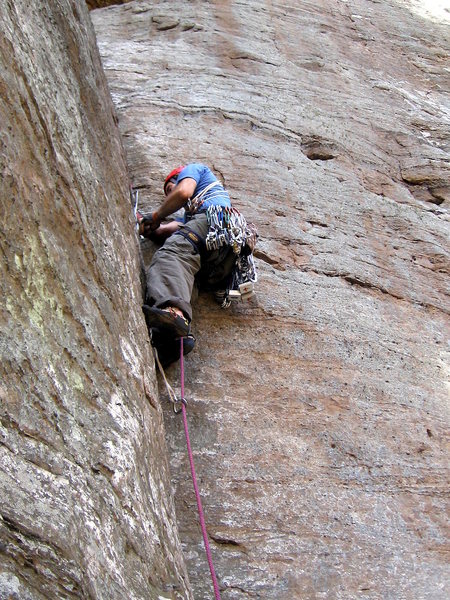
194 480
183 403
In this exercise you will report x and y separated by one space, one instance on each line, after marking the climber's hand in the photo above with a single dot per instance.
148 224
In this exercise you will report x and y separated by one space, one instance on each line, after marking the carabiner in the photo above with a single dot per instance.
180 401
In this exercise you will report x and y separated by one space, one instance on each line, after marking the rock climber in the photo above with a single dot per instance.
184 257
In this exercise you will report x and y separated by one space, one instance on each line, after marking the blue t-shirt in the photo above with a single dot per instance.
216 196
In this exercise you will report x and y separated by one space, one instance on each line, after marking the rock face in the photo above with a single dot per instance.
318 412
85 501
102 3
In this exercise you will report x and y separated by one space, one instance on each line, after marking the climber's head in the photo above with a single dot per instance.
171 180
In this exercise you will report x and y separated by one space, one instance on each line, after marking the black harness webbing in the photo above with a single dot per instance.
197 242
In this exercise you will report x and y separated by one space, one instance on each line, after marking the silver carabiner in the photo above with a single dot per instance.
180 401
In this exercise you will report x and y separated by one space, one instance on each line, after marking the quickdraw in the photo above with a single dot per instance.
172 395
227 226
182 402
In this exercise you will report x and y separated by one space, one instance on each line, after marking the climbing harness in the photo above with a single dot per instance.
192 237
179 406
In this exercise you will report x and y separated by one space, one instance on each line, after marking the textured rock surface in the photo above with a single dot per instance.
103 3
84 488
319 412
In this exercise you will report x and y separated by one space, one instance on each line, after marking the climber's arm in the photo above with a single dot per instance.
174 201
164 231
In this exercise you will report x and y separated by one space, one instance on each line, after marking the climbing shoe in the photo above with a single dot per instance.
166 319
168 348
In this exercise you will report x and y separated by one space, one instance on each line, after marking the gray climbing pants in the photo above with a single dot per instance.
172 273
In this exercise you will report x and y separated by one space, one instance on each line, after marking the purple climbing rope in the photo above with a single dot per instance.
194 480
